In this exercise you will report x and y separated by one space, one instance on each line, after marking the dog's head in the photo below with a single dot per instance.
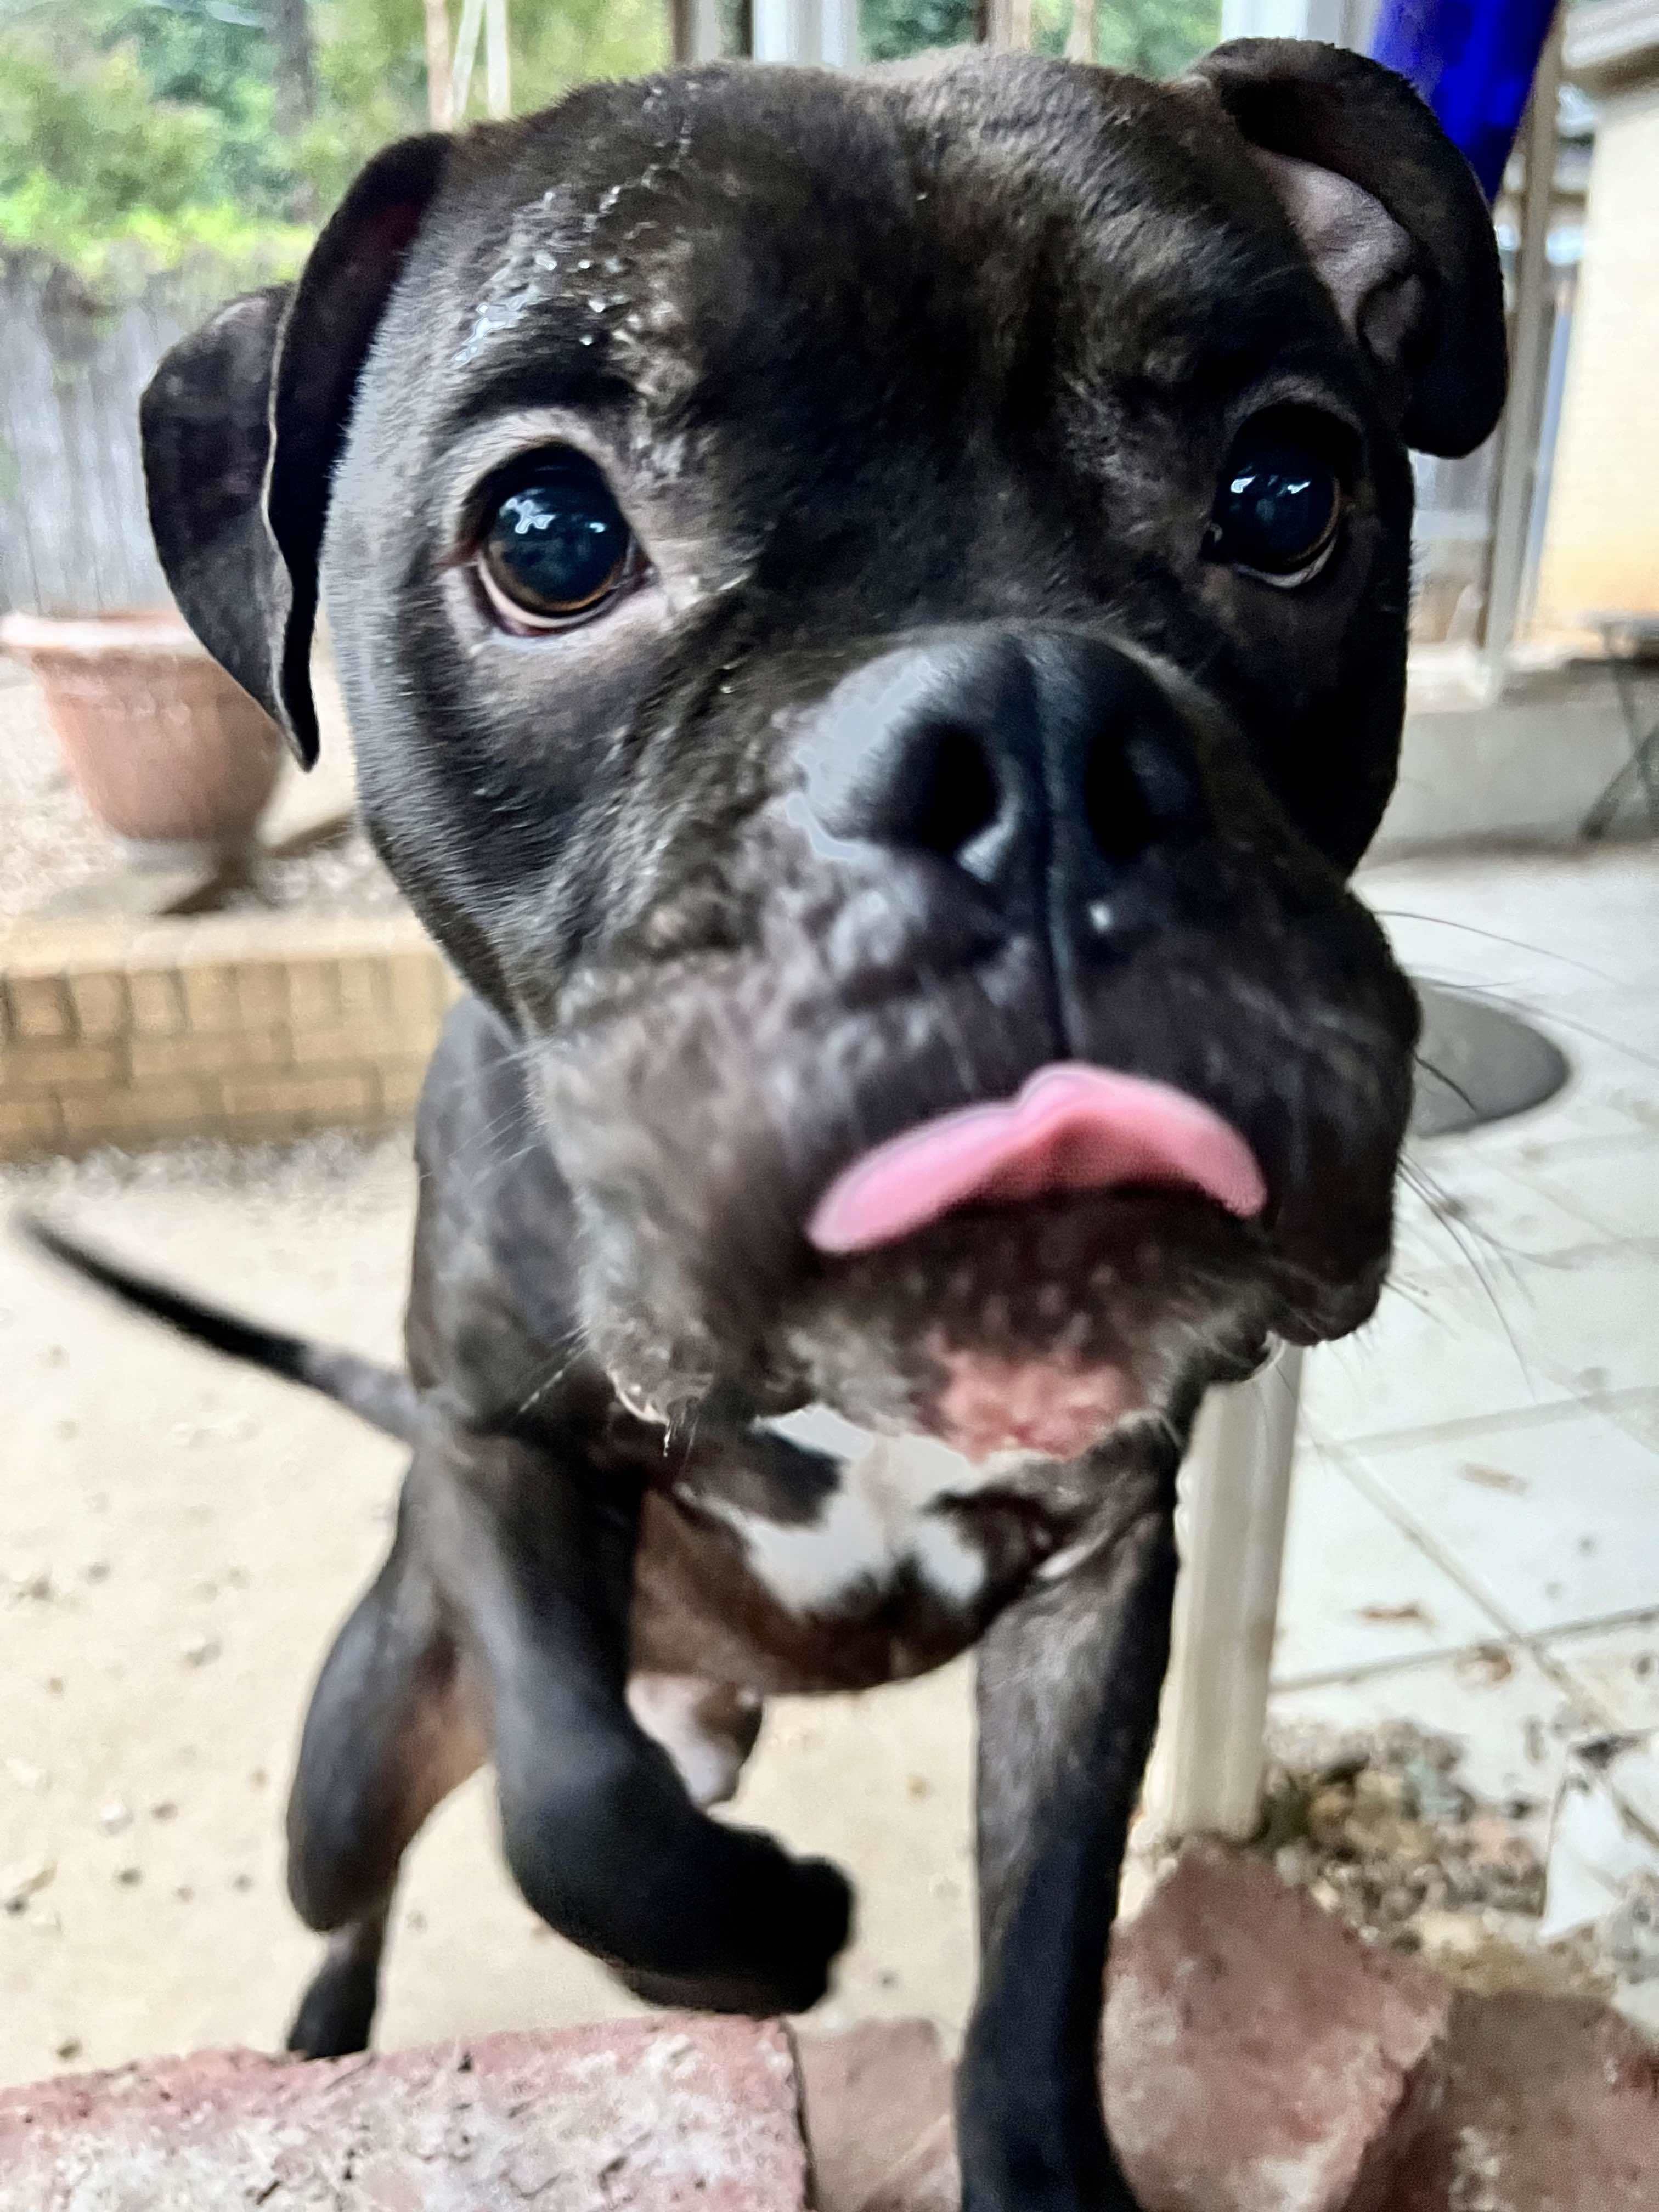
873 610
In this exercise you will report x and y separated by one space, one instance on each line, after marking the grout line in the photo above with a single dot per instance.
1380 1496
1631 1617
1531 1641
1468 1424
1369 1670
1535 1642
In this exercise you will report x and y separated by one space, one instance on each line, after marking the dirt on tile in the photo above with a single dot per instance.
1379 1829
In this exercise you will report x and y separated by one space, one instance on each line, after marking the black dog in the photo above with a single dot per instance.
873 610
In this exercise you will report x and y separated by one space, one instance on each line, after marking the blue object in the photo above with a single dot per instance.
1473 61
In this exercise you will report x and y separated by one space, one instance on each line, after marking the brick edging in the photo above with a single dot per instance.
237 1025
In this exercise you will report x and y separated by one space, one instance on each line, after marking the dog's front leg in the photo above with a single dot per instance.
1069 1691
601 1835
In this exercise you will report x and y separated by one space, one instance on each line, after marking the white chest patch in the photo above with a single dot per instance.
890 1512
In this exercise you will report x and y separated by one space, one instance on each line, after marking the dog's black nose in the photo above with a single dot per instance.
1045 765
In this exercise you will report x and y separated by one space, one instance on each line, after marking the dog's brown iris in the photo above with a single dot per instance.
555 547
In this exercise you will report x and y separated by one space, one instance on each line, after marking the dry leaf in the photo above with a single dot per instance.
1491 1478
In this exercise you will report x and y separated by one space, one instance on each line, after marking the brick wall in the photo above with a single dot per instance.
258 1025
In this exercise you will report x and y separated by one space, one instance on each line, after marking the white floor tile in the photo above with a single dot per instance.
1356 1589
1512 1720
1436 1351
1568 921
1477 1215
1639 1413
1613 1184
1618 1667
1554 1521
1550 1509
1592 1319
1604 1097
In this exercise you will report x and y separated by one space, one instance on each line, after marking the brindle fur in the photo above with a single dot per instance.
942 362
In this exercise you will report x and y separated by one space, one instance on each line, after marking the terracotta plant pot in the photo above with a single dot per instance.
167 750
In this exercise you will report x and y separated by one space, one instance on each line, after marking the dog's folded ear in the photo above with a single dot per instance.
1392 217
242 425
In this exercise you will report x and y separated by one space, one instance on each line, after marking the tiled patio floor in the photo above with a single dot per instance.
1475 1537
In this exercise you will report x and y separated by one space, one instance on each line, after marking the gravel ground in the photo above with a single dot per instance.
49 841
343 877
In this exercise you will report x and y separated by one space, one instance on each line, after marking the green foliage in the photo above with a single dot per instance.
890 28
371 57
1155 37
137 134
140 134
159 104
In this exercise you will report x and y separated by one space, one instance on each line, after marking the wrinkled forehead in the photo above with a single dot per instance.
755 244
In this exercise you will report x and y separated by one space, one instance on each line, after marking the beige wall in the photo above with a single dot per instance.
1602 549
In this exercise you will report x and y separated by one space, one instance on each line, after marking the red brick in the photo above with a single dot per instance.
656 2116
211 1000
136 1115
261 993
1551 2105
1258 2056
60 1068
313 992
363 991
878 2103
27 1124
305 1100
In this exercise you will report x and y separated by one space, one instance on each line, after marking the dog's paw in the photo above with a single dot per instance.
801 1919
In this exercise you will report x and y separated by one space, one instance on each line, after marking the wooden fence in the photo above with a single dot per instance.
74 535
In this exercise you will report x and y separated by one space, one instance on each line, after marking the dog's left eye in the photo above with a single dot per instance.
1278 511
555 549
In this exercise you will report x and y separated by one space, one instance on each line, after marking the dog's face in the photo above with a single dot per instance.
859 600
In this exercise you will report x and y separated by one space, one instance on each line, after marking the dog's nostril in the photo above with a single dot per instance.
1116 809
1140 790
950 793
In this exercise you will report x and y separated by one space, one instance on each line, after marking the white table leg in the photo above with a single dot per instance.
825 31
1207 1764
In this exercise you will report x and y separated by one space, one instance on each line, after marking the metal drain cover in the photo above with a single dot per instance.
1477 1064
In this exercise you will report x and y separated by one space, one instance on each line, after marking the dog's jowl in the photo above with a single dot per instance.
873 613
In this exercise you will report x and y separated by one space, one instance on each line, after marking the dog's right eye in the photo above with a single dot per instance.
555 548
1279 506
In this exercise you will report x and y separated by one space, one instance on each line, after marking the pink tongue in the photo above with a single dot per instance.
1071 1127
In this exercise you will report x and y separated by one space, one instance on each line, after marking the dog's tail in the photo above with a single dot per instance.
383 1396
